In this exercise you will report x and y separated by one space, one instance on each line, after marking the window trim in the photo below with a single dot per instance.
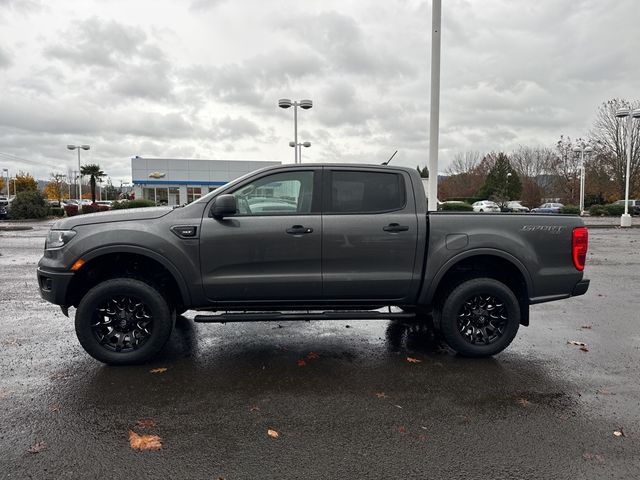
328 177
316 194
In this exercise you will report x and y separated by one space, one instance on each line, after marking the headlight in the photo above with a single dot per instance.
58 238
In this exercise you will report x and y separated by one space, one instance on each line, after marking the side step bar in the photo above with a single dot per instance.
296 316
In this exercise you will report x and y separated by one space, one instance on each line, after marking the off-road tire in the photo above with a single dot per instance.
451 317
163 319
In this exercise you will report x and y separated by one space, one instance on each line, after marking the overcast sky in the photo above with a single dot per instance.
201 78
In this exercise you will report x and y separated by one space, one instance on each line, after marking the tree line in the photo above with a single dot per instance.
545 173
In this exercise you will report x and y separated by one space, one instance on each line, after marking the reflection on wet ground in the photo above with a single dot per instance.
344 397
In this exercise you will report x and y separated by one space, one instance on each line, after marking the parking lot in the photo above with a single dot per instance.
353 399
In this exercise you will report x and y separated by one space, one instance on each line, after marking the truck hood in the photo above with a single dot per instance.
123 215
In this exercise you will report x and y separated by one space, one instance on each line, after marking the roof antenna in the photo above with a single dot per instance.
390 158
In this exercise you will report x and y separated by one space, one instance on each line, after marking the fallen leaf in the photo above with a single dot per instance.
273 433
54 408
254 409
144 442
584 349
313 356
619 433
586 327
37 447
576 343
381 395
145 423
158 370
523 402
301 363
397 406
413 360
402 429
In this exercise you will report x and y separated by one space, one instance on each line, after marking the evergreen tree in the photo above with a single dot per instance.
502 183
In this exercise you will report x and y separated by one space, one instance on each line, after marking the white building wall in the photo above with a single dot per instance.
163 173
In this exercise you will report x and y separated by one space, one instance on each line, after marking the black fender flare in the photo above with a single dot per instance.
427 294
134 249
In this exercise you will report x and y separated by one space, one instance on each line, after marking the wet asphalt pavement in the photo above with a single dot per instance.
541 409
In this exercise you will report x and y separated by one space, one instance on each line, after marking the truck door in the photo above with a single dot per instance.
370 231
270 250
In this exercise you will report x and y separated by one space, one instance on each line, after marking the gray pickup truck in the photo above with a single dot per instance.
305 242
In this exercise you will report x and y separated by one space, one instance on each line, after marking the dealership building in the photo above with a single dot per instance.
172 181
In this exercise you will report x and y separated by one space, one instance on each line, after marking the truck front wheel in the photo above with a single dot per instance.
123 321
480 317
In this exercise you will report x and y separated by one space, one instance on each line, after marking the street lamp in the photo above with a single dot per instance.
79 147
582 149
300 145
304 104
625 219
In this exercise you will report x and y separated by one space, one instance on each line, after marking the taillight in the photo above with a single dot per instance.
579 245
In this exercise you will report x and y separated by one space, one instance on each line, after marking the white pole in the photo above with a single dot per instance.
435 105
79 177
625 219
582 180
295 130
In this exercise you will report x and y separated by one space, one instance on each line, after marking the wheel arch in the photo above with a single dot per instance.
489 263
100 265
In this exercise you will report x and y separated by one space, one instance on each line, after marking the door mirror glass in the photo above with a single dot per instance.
224 206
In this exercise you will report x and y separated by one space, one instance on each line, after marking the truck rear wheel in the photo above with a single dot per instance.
480 317
123 321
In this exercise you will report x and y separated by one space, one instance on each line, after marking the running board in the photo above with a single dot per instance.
297 316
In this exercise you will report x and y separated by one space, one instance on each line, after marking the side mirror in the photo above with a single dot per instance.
224 206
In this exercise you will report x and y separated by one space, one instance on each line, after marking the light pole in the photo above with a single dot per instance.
625 219
304 104
582 149
300 145
6 174
79 147
434 117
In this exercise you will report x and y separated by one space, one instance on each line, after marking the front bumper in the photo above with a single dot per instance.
53 286
581 288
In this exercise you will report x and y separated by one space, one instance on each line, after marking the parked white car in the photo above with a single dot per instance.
485 206
516 206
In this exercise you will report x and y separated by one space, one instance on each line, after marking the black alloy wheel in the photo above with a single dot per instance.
123 321
479 317
482 319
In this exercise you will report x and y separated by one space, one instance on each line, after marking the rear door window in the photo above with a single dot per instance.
364 192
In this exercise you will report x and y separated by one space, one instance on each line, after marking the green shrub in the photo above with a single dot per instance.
456 207
597 210
28 204
570 209
140 203
56 212
614 210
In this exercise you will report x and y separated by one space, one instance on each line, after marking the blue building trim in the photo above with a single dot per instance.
176 182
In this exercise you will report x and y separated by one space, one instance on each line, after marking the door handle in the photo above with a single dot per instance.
299 230
395 227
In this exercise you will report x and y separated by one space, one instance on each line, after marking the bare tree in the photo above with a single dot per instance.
565 168
463 163
609 138
533 165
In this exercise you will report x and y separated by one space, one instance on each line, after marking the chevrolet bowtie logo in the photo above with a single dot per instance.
157 175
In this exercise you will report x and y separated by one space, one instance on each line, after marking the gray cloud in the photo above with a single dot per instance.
5 58
94 42
203 81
